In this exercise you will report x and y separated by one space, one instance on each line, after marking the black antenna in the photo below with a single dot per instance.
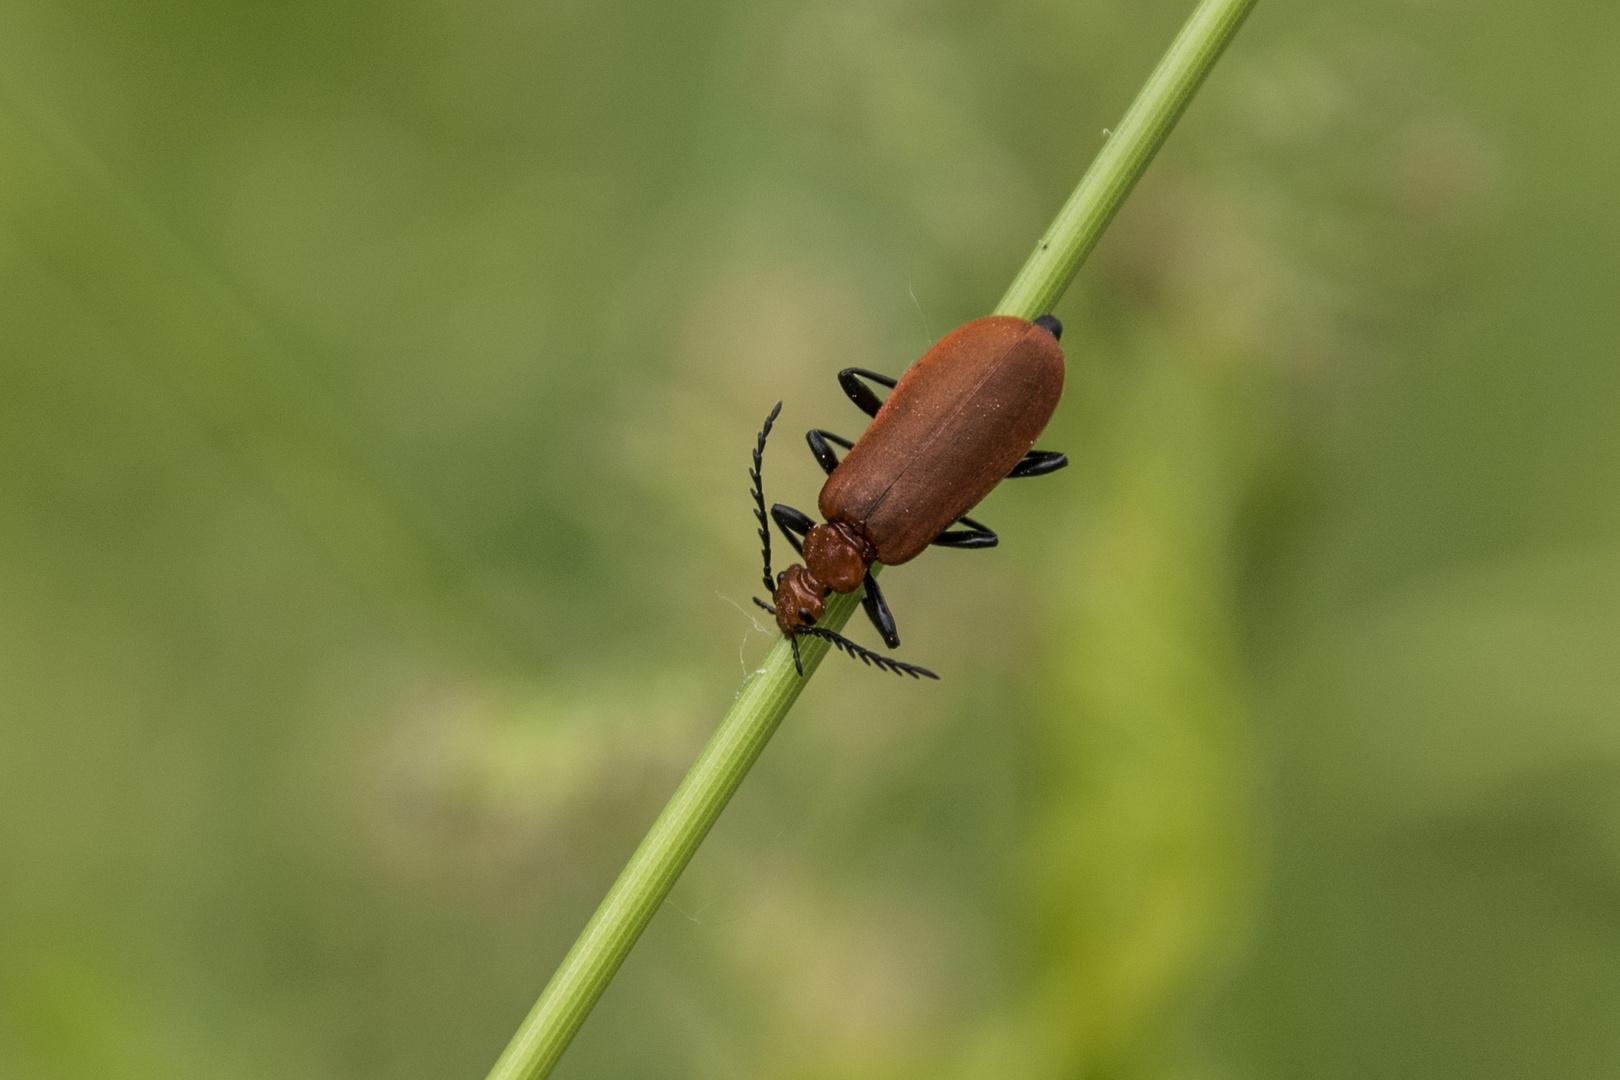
758 493
884 663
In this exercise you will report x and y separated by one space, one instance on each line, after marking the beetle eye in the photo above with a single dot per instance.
1050 324
805 617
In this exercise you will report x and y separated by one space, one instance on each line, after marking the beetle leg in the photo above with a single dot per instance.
878 611
798 664
818 440
1038 463
974 536
861 394
793 523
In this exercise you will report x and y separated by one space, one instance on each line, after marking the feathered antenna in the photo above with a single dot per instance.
758 493
884 663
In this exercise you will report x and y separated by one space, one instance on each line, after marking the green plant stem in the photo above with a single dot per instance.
767 696
1123 159
674 838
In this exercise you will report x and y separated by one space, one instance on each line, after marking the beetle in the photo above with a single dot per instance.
960 420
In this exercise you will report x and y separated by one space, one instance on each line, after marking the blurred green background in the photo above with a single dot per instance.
376 387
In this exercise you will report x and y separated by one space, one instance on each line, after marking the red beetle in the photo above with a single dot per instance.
959 421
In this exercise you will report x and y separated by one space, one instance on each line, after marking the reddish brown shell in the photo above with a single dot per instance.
956 424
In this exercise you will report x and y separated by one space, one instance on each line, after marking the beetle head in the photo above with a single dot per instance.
800 599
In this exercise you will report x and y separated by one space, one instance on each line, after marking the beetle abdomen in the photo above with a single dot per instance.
958 421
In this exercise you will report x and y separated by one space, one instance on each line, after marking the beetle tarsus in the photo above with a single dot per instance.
877 609
867 656
795 524
798 664
1038 463
976 535
1050 324
861 394
818 440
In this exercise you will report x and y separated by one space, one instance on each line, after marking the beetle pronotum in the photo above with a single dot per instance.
959 421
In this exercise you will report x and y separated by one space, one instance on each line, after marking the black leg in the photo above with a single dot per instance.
818 440
1050 324
794 524
878 611
861 394
1038 463
758 493
974 536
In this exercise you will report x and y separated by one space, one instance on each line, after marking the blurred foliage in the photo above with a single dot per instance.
374 553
